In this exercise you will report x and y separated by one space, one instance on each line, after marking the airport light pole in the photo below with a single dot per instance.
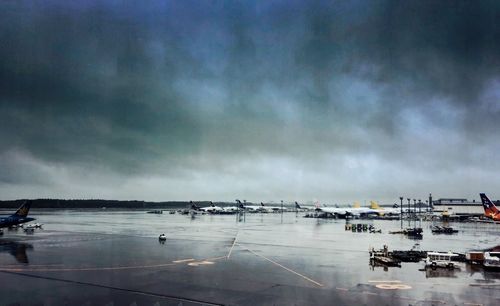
237 211
414 212
419 212
281 211
409 210
401 208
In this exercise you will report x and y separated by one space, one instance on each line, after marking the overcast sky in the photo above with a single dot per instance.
336 101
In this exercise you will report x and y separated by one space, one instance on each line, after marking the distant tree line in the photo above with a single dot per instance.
97 203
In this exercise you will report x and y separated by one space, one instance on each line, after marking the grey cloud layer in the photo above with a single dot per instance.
168 88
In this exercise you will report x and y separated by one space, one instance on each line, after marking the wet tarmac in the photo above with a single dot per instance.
108 257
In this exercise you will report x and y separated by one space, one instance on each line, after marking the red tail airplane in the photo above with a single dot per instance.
490 210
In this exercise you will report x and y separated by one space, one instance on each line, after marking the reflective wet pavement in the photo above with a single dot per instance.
114 258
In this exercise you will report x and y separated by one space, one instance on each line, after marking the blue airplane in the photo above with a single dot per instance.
20 216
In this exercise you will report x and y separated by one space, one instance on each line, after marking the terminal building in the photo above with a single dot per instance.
458 206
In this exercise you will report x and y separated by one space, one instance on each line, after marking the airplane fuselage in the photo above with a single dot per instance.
211 209
6 221
346 211
493 216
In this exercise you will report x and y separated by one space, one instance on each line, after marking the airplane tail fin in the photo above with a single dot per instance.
194 206
297 205
261 204
23 210
489 208
374 205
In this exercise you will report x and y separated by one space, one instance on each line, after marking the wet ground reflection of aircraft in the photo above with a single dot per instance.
16 249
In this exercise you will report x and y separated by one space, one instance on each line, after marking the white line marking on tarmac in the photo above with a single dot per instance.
43 269
282 266
231 249
215 258
393 287
200 263
384 281
183 260
206 261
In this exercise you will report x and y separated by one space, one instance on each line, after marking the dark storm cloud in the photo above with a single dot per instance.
169 88
442 48
414 50
83 84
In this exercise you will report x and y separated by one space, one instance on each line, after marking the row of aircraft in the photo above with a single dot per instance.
490 210
356 210
214 209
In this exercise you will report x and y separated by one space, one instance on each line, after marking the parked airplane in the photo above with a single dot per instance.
230 209
209 209
270 208
303 208
490 210
250 208
345 212
383 211
19 217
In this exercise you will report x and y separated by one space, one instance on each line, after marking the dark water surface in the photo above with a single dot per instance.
113 257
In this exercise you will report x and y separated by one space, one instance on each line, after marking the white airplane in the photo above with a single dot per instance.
303 207
383 211
230 209
251 208
346 211
271 208
208 209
